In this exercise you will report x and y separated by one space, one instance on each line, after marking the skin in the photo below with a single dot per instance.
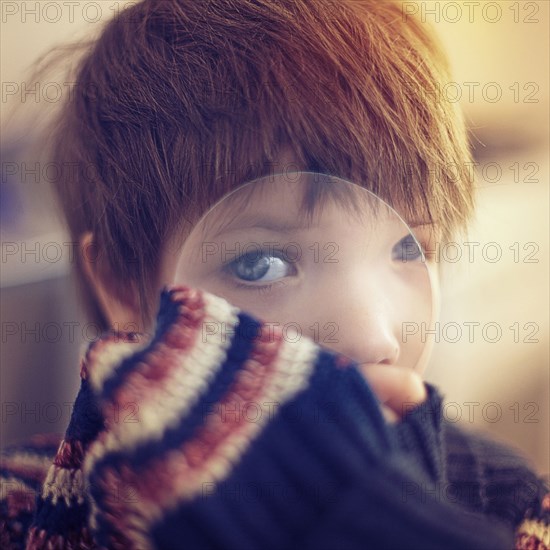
368 292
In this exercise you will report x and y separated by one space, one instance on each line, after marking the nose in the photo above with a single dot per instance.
365 312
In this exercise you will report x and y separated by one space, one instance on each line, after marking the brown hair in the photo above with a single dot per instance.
180 101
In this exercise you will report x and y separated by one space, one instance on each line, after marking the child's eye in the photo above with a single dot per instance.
260 267
407 250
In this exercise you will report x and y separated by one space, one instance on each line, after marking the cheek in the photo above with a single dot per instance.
412 306
431 306
424 356
270 306
436 292
413 299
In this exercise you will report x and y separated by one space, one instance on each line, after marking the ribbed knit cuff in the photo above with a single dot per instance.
420 434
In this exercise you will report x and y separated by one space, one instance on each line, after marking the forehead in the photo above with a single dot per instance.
296 201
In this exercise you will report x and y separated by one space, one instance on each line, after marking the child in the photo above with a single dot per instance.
178 103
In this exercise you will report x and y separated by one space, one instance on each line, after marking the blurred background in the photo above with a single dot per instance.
491 356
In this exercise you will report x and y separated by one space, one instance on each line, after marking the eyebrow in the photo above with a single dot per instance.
420 224
276 226
269 224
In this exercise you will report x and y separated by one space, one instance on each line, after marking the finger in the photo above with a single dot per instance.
390 416
399 388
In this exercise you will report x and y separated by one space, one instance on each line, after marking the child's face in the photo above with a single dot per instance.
358 285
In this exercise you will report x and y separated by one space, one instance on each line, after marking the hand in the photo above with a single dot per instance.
396 388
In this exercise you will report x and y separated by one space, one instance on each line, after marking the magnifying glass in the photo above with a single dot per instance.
319 257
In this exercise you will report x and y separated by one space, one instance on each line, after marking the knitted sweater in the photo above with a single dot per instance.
237 438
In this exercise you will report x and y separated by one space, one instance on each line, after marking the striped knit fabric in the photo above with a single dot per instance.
217 432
